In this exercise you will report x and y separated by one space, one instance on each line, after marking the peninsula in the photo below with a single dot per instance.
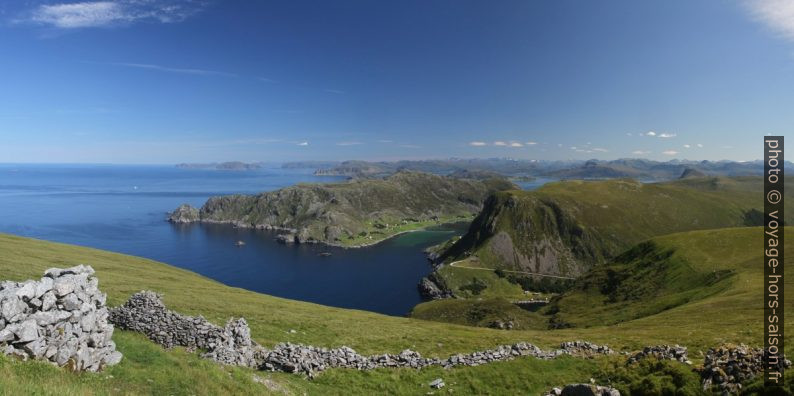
353 213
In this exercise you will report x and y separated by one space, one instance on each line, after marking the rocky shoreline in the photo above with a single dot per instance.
350 214
289 235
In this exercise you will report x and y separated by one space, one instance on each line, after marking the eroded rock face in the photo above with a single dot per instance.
430 290
61 318
145 312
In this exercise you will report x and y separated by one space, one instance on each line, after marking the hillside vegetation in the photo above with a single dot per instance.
565 228
700 268
729 314
353 213
710 316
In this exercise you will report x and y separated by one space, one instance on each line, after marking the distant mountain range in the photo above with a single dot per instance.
642 169
232 165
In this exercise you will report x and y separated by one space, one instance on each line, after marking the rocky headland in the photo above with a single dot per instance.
353 213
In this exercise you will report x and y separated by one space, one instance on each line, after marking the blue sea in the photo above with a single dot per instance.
123 209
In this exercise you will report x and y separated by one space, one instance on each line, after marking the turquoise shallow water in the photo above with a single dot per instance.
123 209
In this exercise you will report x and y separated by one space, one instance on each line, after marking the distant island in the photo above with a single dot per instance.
232 165
354 213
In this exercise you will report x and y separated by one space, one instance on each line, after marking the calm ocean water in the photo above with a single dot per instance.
123 209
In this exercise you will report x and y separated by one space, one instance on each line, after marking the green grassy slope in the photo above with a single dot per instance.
567 227
729 315
703 273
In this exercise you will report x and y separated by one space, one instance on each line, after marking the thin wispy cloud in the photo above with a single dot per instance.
650 133
667 135
200 72
303 144
530 143
349 143
777 15
267 80
516 144
640 152
700 145
478 144
499 143
687 146
670 152
600 150
111 13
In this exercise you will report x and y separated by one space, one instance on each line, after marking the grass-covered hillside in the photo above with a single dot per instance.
729 312
565 228
702 271
353 213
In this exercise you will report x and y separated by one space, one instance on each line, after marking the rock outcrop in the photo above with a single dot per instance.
145 312
184 214
61 318
429 289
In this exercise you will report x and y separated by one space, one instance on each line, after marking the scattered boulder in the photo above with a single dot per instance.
437 383
61 318
502 324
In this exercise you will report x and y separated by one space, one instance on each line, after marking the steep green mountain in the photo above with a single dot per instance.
567 227
724 309
351 213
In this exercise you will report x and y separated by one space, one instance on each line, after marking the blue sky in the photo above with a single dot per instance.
144 81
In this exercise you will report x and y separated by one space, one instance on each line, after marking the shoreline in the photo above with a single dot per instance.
237 224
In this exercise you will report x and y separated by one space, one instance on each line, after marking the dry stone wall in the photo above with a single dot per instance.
145 312
232 344
61 318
